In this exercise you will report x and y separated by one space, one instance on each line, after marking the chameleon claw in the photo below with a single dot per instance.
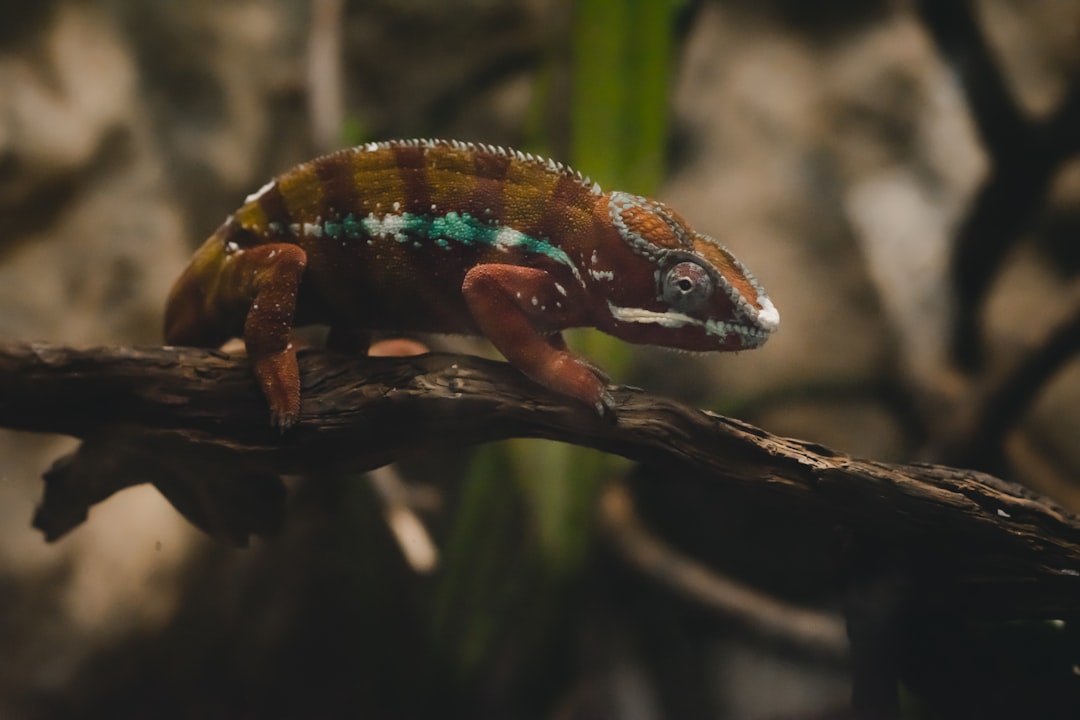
283 422
279 379
605 406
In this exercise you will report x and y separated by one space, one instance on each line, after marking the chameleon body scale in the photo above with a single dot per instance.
454 237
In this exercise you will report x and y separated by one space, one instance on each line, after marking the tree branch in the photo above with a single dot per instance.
193 423
815 630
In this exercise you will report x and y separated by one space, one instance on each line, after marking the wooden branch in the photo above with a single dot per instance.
193 423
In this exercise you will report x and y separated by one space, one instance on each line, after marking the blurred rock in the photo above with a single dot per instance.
1038 43
91 241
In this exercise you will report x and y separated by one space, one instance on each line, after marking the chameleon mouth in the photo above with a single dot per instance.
752 332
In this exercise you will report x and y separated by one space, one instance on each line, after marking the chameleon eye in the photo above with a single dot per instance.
687 286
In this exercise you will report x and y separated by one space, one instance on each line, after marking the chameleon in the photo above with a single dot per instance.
455 237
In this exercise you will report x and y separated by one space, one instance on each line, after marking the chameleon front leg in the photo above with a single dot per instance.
271 278
521 311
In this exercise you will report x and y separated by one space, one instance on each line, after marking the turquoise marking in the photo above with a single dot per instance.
353 228
461 227
446 230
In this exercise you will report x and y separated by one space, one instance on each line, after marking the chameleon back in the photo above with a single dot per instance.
390 229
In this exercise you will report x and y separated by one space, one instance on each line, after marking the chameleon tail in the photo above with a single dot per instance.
192 314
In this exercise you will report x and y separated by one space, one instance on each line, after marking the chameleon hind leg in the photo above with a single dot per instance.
520 310
270 276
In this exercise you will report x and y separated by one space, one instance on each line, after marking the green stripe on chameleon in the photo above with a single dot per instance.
353 228
461 228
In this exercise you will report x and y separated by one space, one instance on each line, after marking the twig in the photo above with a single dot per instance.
968 539
1024 156
404 523
1009 398
954 28
821 632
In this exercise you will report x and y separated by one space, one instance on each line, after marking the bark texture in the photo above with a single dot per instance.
193 423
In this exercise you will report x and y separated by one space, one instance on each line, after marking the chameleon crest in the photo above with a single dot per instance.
454 237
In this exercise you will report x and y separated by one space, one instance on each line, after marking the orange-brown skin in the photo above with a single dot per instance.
443 236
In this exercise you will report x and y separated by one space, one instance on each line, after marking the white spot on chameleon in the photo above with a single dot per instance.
749 336
561 289
640 315
508 238
388 225
768 317
253 197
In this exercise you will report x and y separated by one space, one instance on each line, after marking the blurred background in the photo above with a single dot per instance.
902 177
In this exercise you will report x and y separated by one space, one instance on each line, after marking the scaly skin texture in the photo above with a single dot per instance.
453 237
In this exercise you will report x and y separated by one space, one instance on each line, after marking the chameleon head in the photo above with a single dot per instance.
684 290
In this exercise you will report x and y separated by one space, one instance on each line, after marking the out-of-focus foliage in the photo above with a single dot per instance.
621 91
